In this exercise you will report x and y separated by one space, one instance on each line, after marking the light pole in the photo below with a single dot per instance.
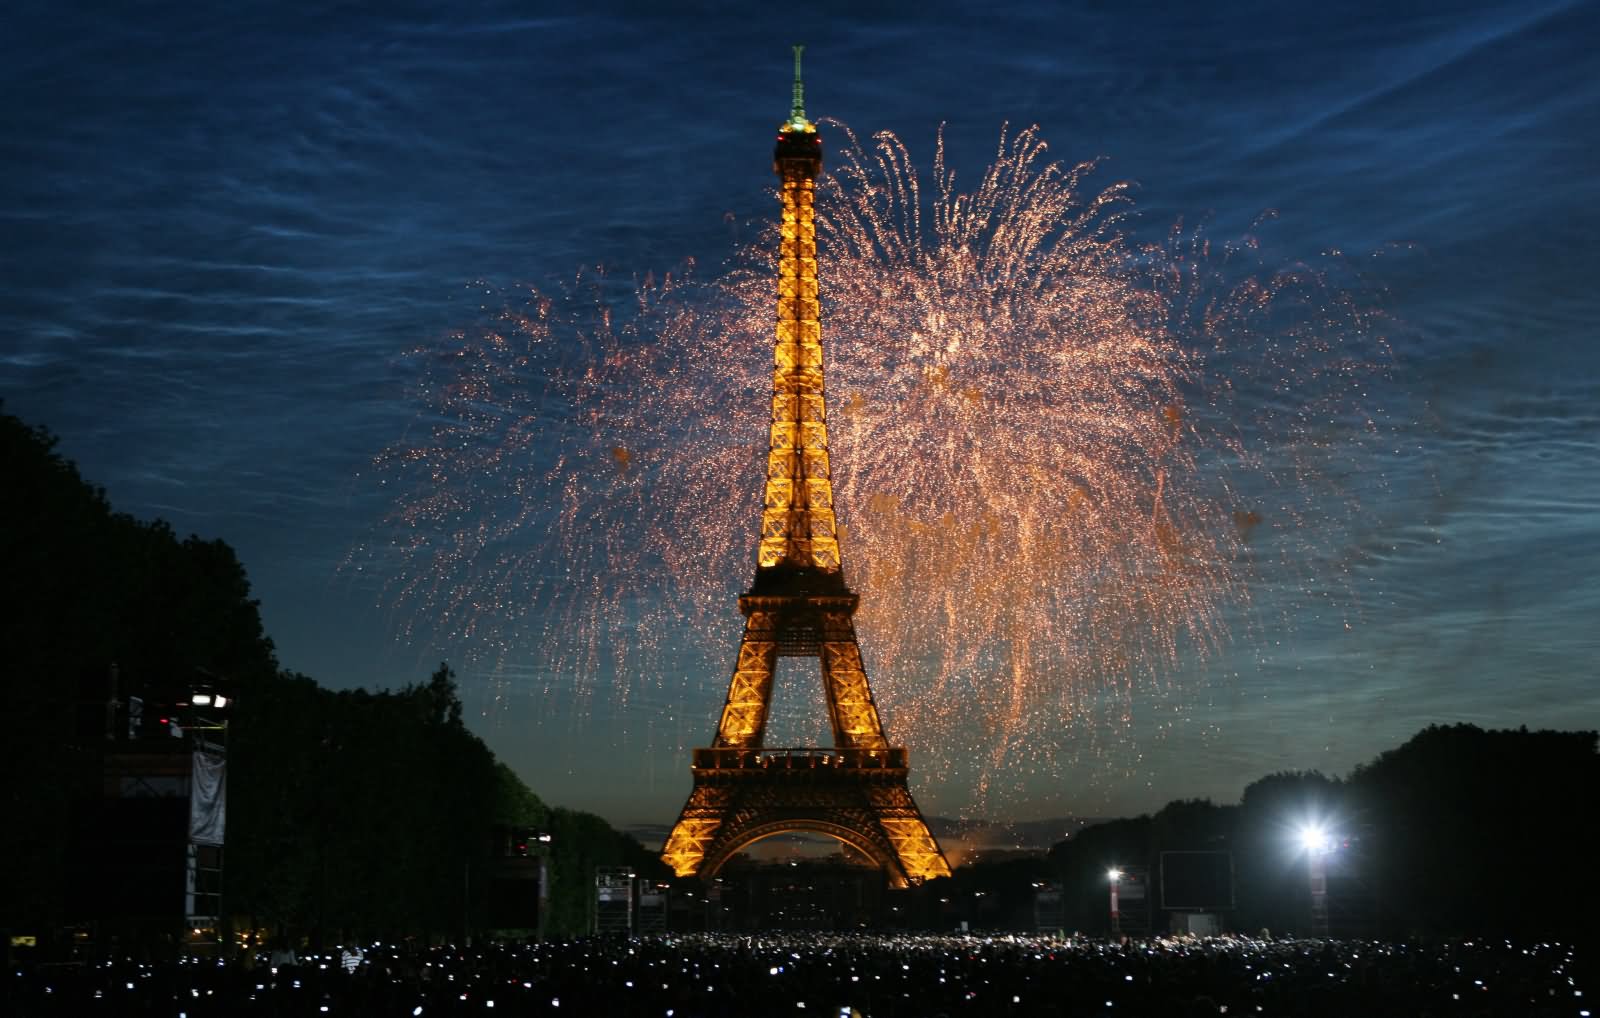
1115 876
536 843
1318 844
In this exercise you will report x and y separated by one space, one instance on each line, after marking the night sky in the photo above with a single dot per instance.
223 229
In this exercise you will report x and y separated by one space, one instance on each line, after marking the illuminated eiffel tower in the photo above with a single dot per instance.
799 606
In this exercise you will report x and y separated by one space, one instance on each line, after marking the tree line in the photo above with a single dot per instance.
350 812
379 814
1461 831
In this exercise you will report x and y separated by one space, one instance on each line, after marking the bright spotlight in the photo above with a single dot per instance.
1314 838
1114 874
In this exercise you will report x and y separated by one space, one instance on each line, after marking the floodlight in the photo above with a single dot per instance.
1314 838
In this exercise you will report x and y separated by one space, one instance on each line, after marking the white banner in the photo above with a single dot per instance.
208 798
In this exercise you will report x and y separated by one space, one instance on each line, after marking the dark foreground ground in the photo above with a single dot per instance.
818 974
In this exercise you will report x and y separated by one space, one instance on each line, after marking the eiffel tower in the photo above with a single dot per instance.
799 606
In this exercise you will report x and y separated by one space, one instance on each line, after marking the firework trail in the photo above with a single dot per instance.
1051 446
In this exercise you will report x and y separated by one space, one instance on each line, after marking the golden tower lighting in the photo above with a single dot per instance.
799 606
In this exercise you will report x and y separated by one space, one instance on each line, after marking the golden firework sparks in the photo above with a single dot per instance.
1041 455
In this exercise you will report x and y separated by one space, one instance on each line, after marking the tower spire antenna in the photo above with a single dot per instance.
797 114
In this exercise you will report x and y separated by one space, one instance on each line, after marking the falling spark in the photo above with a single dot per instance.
1059 455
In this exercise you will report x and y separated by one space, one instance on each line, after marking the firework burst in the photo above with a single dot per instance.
1047 482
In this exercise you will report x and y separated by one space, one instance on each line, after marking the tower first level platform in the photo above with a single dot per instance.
858 797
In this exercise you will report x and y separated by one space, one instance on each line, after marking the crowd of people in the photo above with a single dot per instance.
850 975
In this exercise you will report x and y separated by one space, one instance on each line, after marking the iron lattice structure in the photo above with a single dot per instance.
800 606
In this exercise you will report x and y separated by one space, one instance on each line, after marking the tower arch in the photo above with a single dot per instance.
737 840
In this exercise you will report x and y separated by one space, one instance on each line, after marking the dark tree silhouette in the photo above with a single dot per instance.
1485 832
89 593
1459 832
350 812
